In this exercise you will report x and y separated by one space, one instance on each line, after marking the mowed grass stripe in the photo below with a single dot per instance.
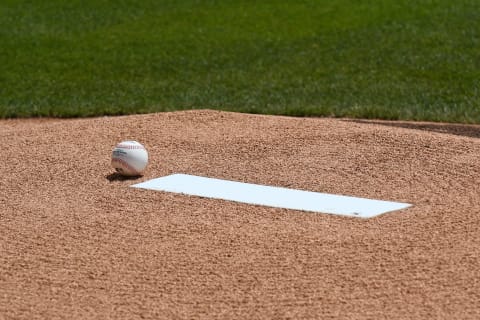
388 59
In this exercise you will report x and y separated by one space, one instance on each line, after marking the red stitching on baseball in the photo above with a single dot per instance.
124 146
128 166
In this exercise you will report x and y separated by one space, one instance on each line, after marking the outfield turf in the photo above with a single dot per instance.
393 59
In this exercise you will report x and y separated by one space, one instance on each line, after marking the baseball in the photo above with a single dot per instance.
129 158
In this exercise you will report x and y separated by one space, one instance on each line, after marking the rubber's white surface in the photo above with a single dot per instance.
271 196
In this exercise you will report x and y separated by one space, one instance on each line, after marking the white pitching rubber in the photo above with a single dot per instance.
271 196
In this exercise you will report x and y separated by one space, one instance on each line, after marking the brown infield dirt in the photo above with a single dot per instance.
76 242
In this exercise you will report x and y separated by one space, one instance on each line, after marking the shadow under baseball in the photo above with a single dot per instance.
118 177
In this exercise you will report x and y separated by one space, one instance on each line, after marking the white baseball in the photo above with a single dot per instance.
129 158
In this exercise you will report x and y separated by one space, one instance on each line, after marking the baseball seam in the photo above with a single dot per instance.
122 146
126 165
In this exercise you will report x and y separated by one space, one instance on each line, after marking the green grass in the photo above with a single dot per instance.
391 59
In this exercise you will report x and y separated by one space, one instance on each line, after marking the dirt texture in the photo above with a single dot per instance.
76 242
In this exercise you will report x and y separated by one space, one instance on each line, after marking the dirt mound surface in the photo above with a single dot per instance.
76 242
